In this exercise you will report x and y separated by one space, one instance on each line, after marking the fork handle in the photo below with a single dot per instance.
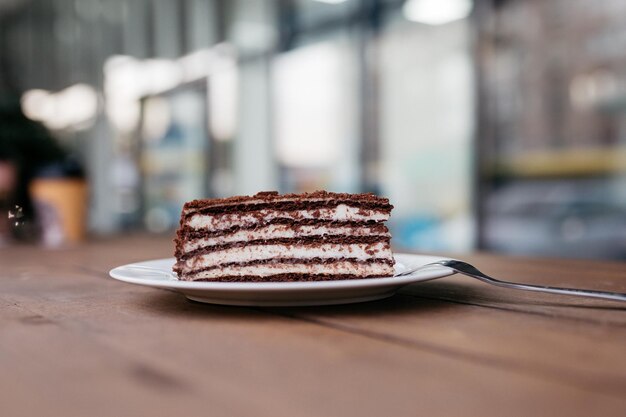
605 295
471 271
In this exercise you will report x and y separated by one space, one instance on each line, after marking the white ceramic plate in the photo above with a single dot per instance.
158 274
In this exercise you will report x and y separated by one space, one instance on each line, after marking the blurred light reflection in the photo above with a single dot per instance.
72 108
436 12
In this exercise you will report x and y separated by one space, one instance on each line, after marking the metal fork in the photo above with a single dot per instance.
471 271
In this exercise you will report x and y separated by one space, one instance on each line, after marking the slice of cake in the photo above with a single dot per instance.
291 237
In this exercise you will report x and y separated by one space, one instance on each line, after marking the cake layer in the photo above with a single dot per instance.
289 205
287 278
341 213
303 241
251 253
338 270
240 203
187 233
283 231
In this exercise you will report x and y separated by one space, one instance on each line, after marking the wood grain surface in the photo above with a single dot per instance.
74 342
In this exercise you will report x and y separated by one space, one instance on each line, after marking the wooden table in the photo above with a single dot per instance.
74 342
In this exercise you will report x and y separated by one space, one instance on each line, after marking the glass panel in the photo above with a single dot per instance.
174 156
554 134
315 116
252 26
426 106
313 13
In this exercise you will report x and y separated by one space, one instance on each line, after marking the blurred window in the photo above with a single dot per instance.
553 131
426 126
174 157
315 115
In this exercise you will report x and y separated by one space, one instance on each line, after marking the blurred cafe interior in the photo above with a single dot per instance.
495 125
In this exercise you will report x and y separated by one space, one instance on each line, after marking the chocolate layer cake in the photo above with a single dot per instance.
291 237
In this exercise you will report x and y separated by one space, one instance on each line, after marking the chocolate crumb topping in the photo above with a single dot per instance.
274 197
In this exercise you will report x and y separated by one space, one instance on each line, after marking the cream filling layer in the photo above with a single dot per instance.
359 251
265 270
281 231
341 213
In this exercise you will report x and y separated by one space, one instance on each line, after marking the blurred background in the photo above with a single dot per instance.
496 125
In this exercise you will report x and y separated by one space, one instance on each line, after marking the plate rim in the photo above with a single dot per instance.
422 275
